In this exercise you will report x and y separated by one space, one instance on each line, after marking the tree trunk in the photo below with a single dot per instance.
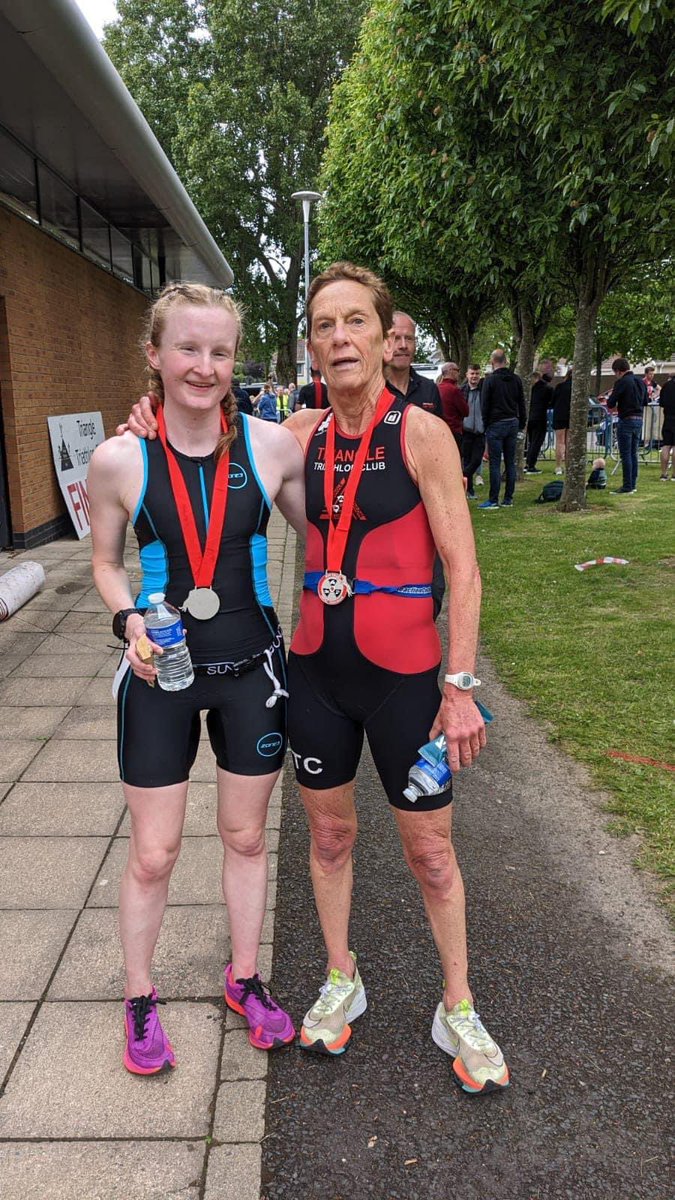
574 492
598 367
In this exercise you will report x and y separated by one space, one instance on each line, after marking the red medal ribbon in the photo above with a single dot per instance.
202 562
338 534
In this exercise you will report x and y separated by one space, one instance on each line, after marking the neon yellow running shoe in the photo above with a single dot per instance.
479 1063
326 1028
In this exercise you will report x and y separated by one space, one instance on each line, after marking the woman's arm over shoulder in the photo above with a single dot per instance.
282 468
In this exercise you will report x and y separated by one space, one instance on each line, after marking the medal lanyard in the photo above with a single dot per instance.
338 534
202 562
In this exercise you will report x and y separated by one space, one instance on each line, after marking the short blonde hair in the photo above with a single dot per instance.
384 305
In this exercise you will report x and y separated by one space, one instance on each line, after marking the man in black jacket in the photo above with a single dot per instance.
503 407
541 399
628 397
473 438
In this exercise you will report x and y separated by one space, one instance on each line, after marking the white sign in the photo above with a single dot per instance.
74 437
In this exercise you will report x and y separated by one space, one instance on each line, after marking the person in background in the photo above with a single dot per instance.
651 385
473 433
282 403
265 403
562 402
242 397
314 394
454 404
628 398
503 408
292 392
597 480
667 403
400 373
541 399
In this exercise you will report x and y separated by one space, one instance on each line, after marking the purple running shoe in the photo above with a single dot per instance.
148 1050
269 1026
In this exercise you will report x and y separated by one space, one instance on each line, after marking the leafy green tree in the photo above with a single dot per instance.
589 95
238 96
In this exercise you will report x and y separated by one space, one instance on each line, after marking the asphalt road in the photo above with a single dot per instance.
571 967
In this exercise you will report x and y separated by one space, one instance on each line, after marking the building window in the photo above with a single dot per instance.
18 188
95 235
58 207
121 255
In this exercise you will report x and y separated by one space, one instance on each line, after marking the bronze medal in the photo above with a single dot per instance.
333 587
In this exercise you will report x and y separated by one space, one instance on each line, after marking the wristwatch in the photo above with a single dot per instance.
463 680
119 622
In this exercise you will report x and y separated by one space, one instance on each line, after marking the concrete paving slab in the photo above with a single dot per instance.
70 1077
233 1173
14 1019
82 725
10 662
15 757
97 692
110 665
31 944
4 788
75 622
50 666
62 809
200 811
85 642
43 872
16 722
240 1111
75 761
101 1170
15 640
240 1059
48 692
192 949
39 621
195 879
50 599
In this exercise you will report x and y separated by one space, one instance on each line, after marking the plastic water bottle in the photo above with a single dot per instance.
165 628
428 779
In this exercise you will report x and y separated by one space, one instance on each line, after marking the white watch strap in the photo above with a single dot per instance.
453 679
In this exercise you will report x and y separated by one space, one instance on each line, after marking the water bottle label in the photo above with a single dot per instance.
440 773
170 635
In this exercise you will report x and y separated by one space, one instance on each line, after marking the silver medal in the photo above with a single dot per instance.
202 603
333 587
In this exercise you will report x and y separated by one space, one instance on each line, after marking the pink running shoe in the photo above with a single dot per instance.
148 1050
269 1026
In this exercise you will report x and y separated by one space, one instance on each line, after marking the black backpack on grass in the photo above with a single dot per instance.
550 492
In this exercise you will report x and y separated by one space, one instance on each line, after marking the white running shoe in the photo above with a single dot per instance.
326 1028
479 1063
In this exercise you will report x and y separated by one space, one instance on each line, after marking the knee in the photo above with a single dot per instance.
153 864
434 867
249 843
333 842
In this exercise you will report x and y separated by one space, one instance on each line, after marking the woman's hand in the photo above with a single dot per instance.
141 651
141 419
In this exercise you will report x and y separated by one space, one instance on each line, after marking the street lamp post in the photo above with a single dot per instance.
307 199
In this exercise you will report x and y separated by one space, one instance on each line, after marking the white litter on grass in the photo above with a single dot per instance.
596 562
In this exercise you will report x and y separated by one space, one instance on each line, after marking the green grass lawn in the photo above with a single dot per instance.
592 652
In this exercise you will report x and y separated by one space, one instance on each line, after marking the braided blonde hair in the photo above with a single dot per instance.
205 297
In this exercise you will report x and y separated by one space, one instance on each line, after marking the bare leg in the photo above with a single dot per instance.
332 822
157 816
666 452
560 448
242 812
431 857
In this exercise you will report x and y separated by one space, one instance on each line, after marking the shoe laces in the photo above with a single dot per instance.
468 1025
255 987
141 1008
332 991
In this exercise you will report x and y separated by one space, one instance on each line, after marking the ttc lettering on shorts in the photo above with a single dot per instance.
313 766
269 744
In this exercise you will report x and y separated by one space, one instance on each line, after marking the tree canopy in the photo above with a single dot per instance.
490 148
237 94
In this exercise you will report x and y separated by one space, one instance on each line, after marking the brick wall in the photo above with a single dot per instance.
69 335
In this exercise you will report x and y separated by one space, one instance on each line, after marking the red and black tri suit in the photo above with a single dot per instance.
369 664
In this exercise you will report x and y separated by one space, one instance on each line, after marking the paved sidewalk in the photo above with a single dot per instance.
73 1123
